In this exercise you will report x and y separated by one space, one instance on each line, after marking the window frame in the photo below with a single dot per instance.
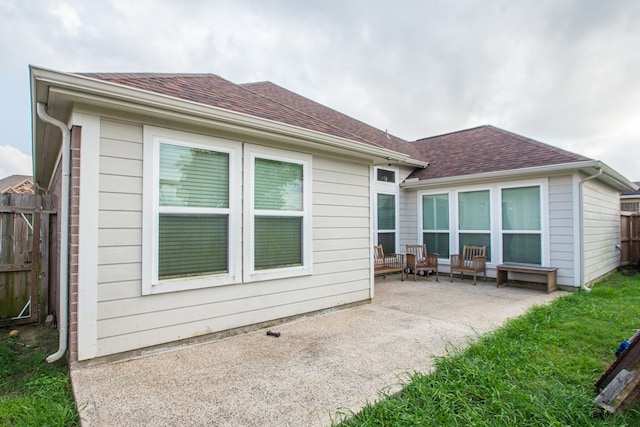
422 230
502 232
250 274
496 232
151 209
391 189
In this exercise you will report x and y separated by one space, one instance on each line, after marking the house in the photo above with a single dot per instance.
16 184
630 200
193 206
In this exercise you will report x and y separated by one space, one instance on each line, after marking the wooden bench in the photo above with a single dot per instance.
387 263
502 272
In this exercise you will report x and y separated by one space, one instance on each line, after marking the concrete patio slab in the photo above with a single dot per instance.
319 368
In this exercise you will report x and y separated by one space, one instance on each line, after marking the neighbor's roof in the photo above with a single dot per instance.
20 184
265 100
486 149
633 193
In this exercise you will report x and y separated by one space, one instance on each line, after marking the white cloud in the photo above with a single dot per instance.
13 162
564 73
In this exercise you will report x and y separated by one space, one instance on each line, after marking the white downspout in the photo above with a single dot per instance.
581 208
63 210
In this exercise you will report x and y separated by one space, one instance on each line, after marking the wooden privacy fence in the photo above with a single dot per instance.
24 257
629 238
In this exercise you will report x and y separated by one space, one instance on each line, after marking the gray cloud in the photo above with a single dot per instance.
560 72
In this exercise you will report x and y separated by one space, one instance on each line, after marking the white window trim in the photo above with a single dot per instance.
250 274
495 192
455 248
152 137
390 188
453 204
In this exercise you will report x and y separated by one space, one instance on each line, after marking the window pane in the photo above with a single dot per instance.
278 185
437 243
278 242
384 175
521 208
193 177
476 239
435 212
473 210
386 212
522 248
388 242
192 245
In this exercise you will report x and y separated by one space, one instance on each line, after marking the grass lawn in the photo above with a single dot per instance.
537 370
33 392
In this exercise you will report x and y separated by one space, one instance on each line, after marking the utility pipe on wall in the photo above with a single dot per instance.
63 309
581 201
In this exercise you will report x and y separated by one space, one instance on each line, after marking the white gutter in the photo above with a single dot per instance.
581 208
107 93
438 182
63 309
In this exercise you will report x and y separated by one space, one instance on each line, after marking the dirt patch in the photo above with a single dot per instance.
43 336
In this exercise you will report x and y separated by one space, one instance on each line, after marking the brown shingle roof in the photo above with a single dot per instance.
20 184
335 118
210 89
485 149
472 151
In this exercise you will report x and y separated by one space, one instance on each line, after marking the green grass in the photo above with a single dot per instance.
537 370
32 391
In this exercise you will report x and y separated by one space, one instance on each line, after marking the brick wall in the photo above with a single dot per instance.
74 222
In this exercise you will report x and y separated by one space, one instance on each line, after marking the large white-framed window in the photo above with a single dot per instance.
474 219
435 223
522 225
508 218
277 213
191 210
386 201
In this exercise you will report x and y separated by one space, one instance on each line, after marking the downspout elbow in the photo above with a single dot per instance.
581 191
63 311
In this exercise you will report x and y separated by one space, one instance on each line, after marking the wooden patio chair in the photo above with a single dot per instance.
472 261
419 259
387 263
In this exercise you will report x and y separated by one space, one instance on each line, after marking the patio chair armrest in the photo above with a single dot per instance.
456 260
411 261
479 261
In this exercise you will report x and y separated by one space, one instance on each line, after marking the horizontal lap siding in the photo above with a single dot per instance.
601 230
561 229
127 320
408 214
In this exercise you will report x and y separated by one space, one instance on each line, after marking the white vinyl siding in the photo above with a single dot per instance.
601 206
128 320
562 231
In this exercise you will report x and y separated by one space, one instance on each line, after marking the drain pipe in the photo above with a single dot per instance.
581 196
63 310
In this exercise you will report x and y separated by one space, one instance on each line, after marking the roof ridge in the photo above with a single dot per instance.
452 132
242 85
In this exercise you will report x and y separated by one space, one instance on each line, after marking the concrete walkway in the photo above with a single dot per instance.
319 368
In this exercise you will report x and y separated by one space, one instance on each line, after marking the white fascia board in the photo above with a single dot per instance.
96 91
511 173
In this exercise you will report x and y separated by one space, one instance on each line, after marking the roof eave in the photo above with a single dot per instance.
95 91
609 175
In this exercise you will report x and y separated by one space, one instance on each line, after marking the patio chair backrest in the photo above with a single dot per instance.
469 252
378 254
419 251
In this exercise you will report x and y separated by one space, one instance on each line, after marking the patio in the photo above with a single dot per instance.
319 366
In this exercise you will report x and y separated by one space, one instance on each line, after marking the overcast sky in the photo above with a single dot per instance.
564 72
